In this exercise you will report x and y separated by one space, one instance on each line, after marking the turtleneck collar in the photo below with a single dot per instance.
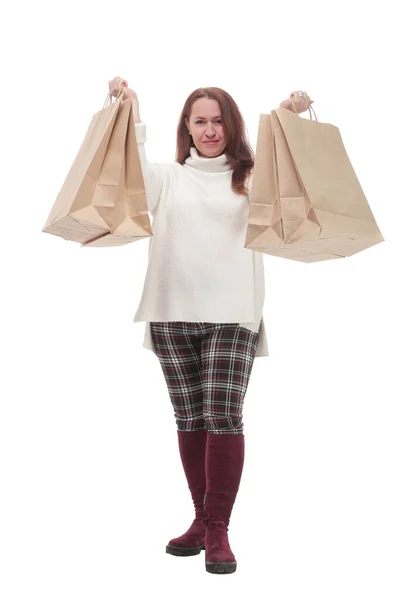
215 164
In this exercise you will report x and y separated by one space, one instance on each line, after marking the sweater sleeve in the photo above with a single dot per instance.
152 172
249 183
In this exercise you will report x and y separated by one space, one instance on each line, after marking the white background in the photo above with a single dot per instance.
92 488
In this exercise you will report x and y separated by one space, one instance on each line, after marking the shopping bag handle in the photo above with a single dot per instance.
109 98
309 109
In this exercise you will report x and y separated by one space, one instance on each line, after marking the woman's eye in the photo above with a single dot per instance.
201 121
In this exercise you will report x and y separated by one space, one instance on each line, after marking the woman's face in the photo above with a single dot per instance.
206 125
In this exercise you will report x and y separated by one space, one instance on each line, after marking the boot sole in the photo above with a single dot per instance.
182 551
221 567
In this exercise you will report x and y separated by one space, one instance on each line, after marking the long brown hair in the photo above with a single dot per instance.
238 150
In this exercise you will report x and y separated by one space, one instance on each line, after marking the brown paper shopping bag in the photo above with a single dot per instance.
130 218
264 229
306 202
85 207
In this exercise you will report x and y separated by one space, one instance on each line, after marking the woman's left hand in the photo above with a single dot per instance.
301 103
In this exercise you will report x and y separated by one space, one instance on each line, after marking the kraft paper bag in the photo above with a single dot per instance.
306 202
130 218
85 208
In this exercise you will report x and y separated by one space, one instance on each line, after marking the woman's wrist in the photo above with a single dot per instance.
286 104
128 94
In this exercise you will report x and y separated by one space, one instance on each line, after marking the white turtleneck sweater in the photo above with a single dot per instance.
198 267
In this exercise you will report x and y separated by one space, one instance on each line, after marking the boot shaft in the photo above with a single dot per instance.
192 450
224 467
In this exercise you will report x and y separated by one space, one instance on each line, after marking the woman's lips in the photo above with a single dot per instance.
211 143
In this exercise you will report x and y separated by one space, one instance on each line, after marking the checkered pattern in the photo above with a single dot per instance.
207 368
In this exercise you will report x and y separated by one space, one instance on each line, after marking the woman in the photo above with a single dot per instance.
202 302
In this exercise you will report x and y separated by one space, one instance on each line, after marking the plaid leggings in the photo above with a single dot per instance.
207 368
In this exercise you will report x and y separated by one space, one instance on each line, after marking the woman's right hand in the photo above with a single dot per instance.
115 86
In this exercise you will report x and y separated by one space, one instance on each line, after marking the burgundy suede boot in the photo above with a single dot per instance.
192 448
224 466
